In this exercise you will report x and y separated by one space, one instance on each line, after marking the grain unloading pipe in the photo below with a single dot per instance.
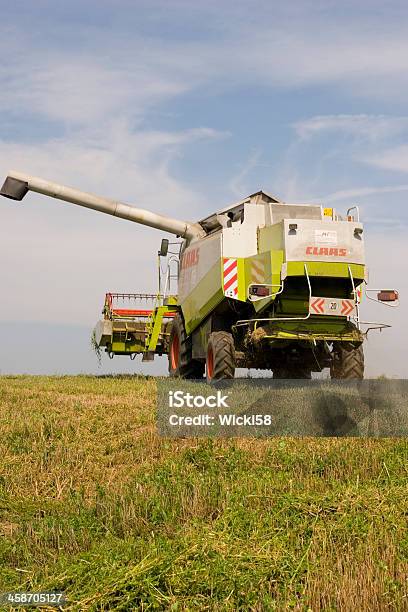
17 185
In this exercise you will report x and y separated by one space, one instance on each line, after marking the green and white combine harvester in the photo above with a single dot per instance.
261 284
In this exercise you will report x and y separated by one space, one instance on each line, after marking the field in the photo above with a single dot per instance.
94 503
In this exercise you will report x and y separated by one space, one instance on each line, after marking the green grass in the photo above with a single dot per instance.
94 503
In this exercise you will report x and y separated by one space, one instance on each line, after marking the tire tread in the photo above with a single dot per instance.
224 355
348 362
188 367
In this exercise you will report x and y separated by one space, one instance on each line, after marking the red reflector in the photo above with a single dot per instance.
387 295
259 290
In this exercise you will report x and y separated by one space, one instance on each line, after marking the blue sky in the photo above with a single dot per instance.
184 107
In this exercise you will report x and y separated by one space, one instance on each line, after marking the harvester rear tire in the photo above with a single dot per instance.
348 361
181 362
220 362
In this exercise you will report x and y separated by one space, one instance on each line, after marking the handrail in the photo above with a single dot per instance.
357 317
255 298
255 321
169 276
358 212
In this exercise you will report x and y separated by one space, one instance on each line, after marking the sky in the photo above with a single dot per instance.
183 108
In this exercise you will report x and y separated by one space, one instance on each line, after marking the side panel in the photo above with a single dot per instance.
103 332
270 245
198 304
271 237
196 261
201 281
240 246
240 240
200 339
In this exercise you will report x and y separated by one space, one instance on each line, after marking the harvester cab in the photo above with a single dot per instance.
261 284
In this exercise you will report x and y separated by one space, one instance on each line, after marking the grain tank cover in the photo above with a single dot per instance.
295 211
235 211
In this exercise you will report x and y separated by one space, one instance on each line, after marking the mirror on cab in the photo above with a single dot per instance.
164 247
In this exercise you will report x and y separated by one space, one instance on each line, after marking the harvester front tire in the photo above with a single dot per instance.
181 362
348 362
220 362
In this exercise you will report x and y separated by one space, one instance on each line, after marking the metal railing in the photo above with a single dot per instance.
243 322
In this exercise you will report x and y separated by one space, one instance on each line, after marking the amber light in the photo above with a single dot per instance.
387 295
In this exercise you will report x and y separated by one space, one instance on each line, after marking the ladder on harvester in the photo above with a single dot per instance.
165 305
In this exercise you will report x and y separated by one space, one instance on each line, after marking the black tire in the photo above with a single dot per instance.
220 363
347 361
300 373
181 362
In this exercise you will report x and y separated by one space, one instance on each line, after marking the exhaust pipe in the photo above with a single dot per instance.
17 185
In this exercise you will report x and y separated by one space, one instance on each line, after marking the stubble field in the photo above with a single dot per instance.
94 503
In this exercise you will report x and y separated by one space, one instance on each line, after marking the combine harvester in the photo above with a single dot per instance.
261 284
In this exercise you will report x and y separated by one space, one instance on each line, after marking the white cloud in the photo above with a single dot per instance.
79 84
368 142
59 259
362 192
119 162
76 89
107 72
310 50
371 127
237 183
395 158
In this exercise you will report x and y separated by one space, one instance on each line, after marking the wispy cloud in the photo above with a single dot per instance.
395 159
361 192
367 143
371 127
238 183
107 71
118 161
92 252
79 89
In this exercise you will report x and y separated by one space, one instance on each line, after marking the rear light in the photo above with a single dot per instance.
259 290
387 295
